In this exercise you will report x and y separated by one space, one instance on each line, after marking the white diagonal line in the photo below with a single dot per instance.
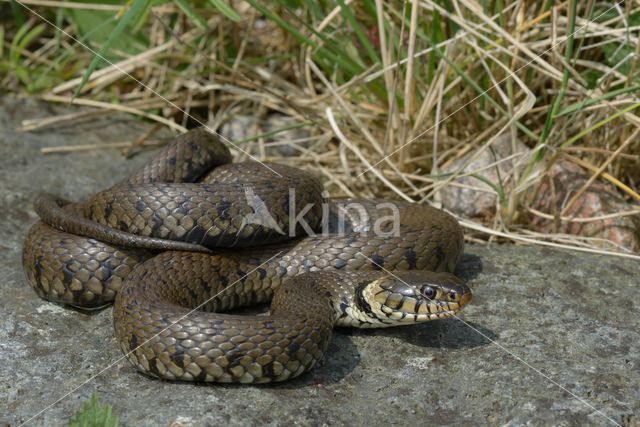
510 353
168 101
145 342
508 76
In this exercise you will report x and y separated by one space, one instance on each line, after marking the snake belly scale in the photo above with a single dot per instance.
191 229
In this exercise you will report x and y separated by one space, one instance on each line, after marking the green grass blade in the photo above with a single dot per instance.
435 37
499 189
1 41
132 12
329 54
342 61
282 23
59 24
587 102
14 50
17 12
555 106
226 10
597 125
191 14
18 46
357 28
273 132
482 93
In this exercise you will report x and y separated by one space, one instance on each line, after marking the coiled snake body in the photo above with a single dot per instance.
159 244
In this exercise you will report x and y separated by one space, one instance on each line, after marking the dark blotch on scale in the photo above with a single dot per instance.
108 209
182 209
343 309
223 209
293 347
242 276
267 370
68 274
153 367
225 239
202 376
339 263
360 301
133 343
157 221
377 262
107 269
141 205
38 269
192 294
205 286
195 235
410 256
224 281
178 357
439 257
164 322
234 357
193 174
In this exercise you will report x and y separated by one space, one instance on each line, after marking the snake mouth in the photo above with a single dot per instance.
414 308
425 312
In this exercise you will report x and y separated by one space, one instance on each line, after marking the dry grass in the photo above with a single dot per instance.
444 79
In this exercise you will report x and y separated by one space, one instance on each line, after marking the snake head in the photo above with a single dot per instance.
412 297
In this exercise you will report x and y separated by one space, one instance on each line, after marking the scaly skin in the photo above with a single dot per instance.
315 281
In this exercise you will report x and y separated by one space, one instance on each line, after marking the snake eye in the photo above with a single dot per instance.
453 295
429 292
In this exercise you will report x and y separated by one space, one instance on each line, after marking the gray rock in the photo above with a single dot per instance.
469 195
544 327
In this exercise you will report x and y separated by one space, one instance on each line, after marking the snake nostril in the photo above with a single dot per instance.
453 295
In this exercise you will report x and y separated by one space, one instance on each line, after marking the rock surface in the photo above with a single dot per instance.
471 195
551 337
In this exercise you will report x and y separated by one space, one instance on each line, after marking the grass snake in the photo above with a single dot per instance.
191 229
